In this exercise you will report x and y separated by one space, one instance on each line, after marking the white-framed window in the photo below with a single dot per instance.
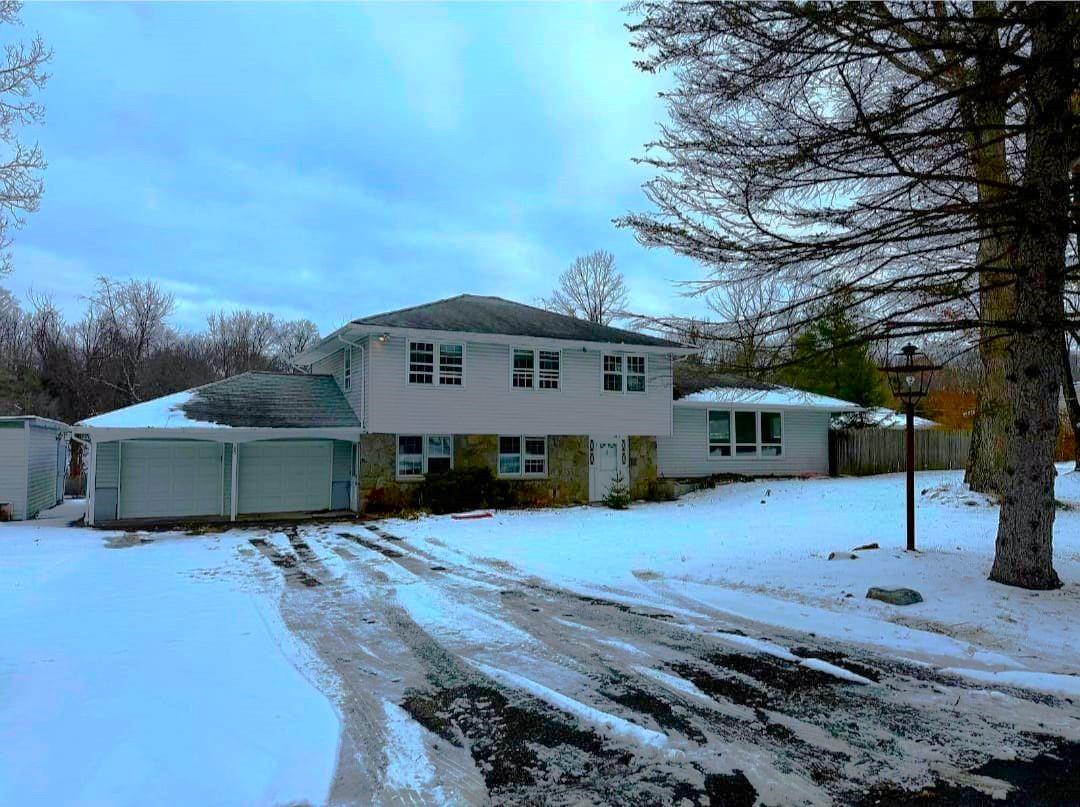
624 373
523 368
744 433
421 362
347 374
431 363
522 456
421 454
613 373
451 364
531 368
719 433
550 372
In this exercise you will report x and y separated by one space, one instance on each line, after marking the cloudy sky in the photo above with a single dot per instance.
330 161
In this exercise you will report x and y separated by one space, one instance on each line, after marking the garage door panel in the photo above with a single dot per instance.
164 479
284 476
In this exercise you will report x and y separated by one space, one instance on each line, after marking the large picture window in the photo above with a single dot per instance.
419 454
745 434
624 373
522 456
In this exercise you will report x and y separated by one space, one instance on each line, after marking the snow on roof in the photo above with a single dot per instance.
880 417
160 413
774 396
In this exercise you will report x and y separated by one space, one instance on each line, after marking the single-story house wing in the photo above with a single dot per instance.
33 464
739 426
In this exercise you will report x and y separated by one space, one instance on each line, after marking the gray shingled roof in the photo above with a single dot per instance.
470 313
690 377
249 400
272 400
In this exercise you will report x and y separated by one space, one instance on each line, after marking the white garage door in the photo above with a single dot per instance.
284 476
169 479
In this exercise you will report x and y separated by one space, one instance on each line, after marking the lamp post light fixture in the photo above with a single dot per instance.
910 376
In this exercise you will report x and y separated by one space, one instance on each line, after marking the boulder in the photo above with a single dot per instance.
895 596
843 556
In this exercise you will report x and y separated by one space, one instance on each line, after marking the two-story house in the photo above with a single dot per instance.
555 405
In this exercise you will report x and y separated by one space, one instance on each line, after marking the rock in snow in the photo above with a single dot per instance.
865 547
895 596
843 556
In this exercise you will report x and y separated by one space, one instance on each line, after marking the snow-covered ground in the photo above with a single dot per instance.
156 673
760 550
705 648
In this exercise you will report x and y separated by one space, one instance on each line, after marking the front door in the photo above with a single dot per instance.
607 465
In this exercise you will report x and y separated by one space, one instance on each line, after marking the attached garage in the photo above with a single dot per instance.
170 479
256 444
285 476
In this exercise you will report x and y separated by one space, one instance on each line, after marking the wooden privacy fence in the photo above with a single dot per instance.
862 452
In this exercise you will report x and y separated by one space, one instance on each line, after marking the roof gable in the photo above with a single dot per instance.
470 313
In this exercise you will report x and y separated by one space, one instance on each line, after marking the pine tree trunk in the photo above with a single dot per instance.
983 111
1024 548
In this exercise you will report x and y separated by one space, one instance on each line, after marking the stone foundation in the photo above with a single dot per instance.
567 481
642 463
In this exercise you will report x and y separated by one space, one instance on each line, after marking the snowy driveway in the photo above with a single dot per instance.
552 656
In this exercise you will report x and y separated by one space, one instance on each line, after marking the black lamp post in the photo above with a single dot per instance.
910 376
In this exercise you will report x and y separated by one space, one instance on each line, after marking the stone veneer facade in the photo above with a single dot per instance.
567 481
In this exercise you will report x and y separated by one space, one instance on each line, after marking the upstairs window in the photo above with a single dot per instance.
421 362
524 365
535 369
451 364
624 373
347 380
613 373
550 369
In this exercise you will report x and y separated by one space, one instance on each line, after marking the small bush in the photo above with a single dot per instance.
660 490
618 496
390 499
464 489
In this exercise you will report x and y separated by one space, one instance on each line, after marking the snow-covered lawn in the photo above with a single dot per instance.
760 550
151 674
340 662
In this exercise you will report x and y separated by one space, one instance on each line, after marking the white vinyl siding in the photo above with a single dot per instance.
686 453
489 403
42 468
13 467
334 365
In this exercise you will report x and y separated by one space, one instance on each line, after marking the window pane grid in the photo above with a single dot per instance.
523 369
755 434
421 362
549 369
520 456
451 365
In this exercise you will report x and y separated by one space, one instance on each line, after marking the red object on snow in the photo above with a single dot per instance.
470 516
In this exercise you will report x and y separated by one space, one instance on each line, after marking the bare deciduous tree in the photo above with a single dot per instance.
592 288
22 72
